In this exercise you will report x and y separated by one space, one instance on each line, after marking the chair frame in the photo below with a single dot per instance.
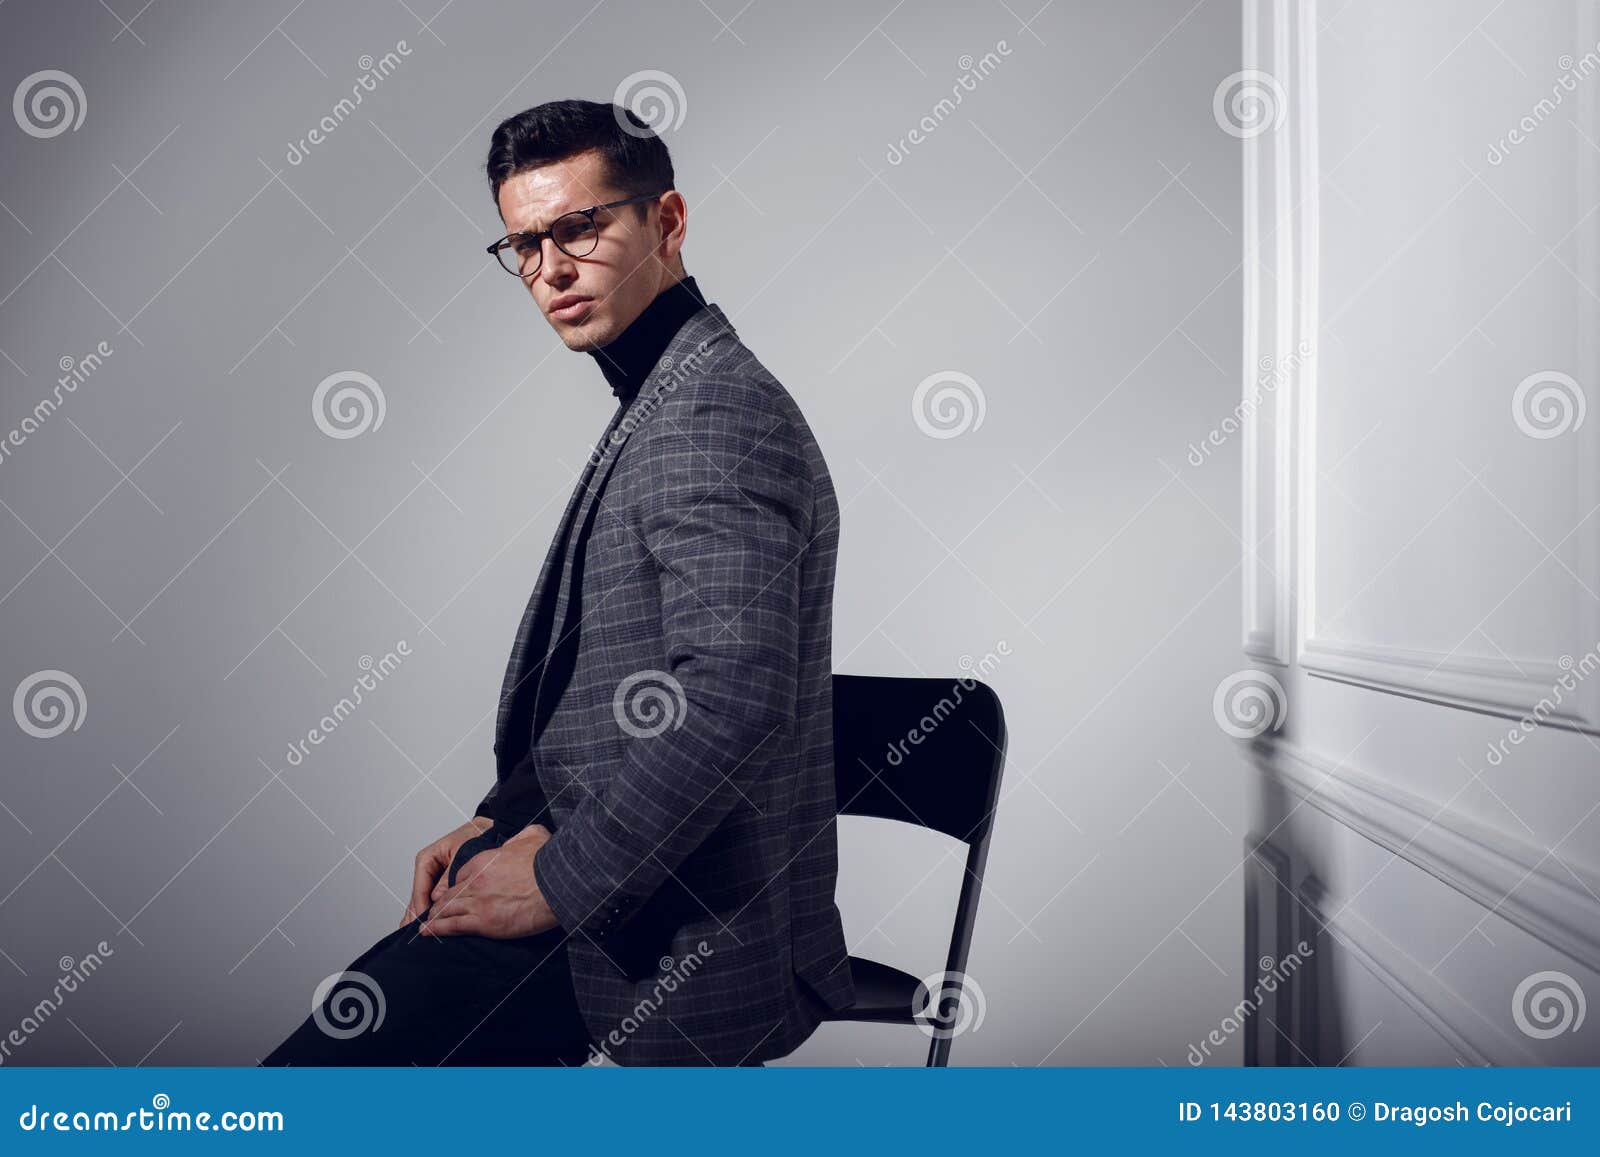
948 998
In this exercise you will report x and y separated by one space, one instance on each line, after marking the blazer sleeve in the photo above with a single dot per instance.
486 804
724 506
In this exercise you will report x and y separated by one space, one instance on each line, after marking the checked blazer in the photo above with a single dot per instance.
685 765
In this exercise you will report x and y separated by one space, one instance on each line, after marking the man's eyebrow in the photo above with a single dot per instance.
557 217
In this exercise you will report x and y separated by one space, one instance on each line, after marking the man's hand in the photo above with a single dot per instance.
434 860
496 894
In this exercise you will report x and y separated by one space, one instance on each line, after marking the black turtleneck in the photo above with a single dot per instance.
627 360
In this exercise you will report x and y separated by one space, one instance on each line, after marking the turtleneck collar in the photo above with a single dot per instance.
627 360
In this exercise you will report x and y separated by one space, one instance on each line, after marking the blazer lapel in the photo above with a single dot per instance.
684 355
540 602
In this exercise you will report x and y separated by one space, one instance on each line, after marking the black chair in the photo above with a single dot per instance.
927 752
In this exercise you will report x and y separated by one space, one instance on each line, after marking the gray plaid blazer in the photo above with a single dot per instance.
687 766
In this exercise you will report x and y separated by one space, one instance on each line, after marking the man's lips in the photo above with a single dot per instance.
570 306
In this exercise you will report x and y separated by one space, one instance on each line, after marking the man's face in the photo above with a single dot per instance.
611 286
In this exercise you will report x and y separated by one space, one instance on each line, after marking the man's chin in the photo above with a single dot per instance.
582 337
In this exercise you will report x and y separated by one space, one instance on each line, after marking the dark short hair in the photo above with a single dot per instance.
634 160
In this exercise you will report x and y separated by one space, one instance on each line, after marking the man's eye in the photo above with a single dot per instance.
569 232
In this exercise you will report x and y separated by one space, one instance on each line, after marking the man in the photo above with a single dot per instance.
651 876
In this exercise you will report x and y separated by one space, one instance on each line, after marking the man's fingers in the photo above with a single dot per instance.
427 871
451 900
412 912
457 925
465 873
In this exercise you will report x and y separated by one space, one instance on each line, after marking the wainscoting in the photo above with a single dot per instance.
1421 545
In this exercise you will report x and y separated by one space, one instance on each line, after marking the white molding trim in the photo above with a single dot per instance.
1268 339
1502 871
1305 126
1588 241
1435 1003
1492 684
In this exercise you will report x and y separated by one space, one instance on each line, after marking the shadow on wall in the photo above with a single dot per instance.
1288 1010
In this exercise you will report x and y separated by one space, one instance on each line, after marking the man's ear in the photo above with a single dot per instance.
674 224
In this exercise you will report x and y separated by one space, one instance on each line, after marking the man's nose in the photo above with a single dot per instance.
555 265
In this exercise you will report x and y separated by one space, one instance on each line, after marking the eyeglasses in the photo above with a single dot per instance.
576 234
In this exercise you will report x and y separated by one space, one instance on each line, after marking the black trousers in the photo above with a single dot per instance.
448 1000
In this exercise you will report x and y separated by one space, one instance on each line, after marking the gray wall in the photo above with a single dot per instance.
183 538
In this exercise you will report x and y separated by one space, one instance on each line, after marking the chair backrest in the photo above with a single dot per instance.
924 751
